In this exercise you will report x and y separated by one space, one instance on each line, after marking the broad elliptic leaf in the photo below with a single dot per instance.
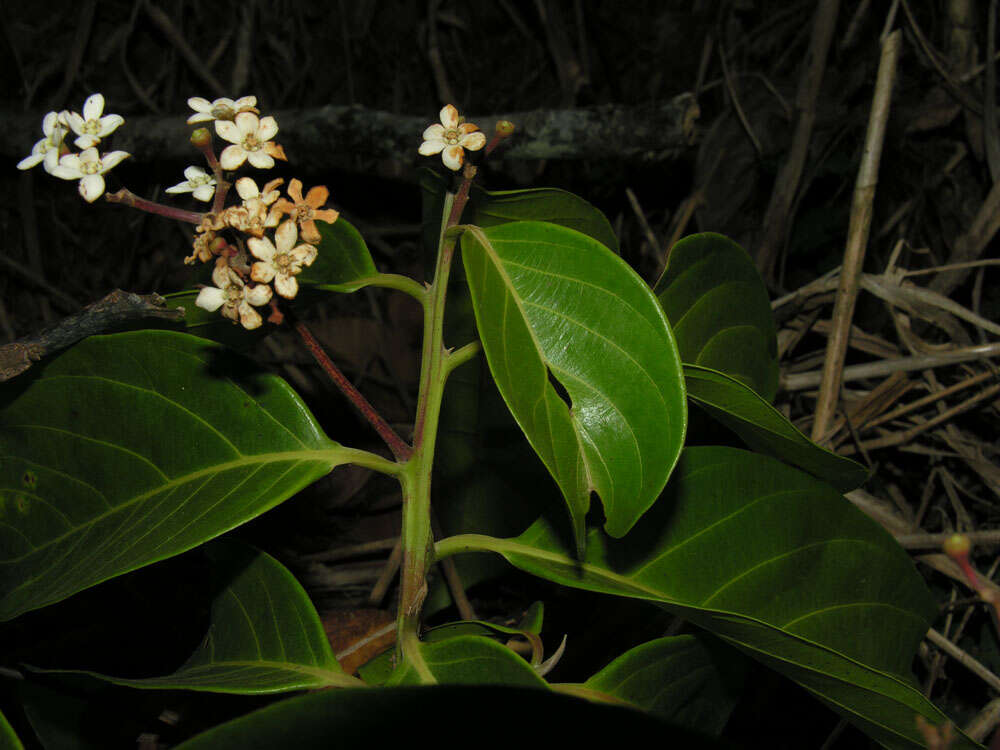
491 208
691 680
8 738
343 263
131 448
718 306
264 634
763 428
553 303
778 564
449 716
460 660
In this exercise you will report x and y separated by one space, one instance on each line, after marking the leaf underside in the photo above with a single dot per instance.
131 448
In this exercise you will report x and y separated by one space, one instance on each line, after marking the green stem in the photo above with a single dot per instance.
454 545
462 355
417 536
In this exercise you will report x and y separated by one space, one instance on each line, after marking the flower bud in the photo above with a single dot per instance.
957 545
504 128
201 137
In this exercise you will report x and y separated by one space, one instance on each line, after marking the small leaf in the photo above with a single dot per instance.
551 302
8 738
763 428
343 263
264 634
470 660
131 448
718 306
690 680
492 208
455 714
777 564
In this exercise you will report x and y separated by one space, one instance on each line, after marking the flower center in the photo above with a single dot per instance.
452 136
303 213
233 293
90 167
93 127
283 261
222 112
202 179
251 143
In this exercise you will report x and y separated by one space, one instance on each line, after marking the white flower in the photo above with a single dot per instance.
47 149
234 297
450 138
87 167
92 126
257 212
198 182
221 109
283 262
250 137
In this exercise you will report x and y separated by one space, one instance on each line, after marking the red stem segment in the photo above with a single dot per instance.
396 444
129 198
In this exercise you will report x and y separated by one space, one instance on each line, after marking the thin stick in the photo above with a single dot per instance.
787 183
389 571
963 658
396 444
646 229
929 399
857 239
934 541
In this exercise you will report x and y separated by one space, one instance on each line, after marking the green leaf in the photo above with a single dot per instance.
718 306
492 208
763 428
470 660
779 565
131 448
8 738
264 634
690 680
449 715
551 302
343 263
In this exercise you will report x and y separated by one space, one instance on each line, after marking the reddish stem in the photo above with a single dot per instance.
132 200
396 444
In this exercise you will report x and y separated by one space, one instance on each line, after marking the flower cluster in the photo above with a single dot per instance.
89 166
250 266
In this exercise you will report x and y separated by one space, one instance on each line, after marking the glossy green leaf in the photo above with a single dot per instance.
551 302
457 659
776 563
719 309
492 208
8 738
763 428
447 715
343 263
264 634
691 680
131 448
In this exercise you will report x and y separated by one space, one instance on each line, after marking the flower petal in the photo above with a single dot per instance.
180 187
286 286
86 141
210 298
304 255
260 160
286 235
232 156
249 318
199 117
245 102
453 156
199 104
473 141
259 295
247 188
204 193
91 187
449 116
75 122
228 131
109 123
434 132
317 196
268 128
261 248
262 272
247 123
93 108
112 159
29 161
429 148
